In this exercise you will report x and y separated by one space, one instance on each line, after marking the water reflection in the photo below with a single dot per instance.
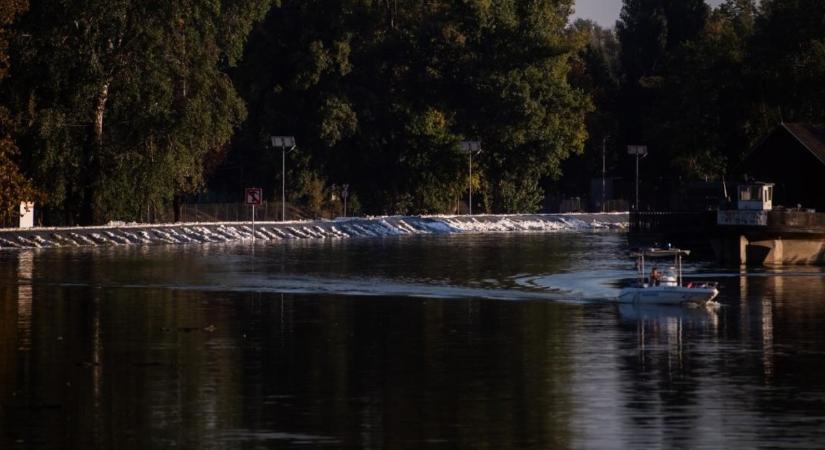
668 314
24 298
161 347
667 330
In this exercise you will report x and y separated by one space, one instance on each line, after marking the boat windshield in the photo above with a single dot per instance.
670 277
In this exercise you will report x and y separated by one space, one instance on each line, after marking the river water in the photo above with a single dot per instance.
458 341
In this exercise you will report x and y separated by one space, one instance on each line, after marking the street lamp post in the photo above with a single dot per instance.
344 195
640 151
471 147
604 170
283 142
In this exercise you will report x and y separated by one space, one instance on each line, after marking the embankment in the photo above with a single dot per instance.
195 233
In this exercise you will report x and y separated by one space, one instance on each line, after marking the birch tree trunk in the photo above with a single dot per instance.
91 215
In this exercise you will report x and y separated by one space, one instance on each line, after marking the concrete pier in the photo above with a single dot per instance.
770 250
756 238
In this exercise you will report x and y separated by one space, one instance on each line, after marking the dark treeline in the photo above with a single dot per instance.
113 109
699 86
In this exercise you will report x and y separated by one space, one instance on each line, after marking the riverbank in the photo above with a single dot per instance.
217 232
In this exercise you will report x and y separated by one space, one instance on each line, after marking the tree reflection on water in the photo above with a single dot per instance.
143 348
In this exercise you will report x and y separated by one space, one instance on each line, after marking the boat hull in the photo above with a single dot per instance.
667 295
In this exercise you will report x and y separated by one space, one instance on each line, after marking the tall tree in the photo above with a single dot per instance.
14 186
789 59
595 69
709 95
654 36
127 101
379 94
650 31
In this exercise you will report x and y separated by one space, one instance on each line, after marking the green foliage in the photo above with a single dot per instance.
353 205
9 10
128 102
711 135
311 191
684 87
789 58
121 107
337 121
379 94
520 195
700 89
595 69
14 186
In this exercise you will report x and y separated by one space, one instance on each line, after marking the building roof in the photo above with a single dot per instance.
810 136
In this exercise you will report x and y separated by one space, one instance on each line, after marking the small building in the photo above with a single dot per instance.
26 214
793 158
753 202
756 196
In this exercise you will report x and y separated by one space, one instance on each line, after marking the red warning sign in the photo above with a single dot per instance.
253 196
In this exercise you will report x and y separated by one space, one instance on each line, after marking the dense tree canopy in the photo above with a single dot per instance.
789 58
126 102
701 86
123 108
14 186
379 94
596 69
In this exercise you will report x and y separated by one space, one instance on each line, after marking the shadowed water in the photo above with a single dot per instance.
473 341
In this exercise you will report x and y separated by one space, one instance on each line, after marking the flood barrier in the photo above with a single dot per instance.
115 234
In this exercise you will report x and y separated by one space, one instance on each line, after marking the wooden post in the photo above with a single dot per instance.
743 250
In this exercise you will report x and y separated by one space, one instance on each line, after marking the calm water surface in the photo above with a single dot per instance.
476 341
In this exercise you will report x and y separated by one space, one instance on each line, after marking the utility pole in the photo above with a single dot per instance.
345 194
604 169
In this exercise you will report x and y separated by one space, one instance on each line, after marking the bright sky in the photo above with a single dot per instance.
606 12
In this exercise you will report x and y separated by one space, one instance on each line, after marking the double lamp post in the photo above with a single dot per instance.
640 151
287 144
470 148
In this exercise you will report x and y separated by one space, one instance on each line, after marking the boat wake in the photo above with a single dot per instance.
396 288
585 285
369 287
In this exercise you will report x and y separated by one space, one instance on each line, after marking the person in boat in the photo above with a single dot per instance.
655 276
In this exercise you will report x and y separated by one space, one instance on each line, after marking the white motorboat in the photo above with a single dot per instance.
669 289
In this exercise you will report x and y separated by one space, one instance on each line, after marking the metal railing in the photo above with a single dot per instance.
672 222
235 212
796 219
703 221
